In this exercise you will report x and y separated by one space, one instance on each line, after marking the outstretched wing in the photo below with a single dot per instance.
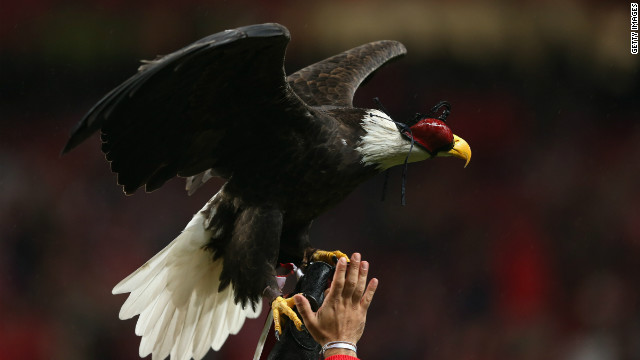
211 105
333 81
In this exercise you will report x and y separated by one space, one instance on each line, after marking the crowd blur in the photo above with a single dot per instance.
531 252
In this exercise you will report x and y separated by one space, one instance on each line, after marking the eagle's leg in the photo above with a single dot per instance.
330 257
281 306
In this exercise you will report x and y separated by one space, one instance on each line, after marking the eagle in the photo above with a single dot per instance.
289 147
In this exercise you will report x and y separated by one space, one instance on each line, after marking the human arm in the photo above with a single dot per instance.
343 313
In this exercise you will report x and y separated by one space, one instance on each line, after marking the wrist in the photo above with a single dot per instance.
341 348
338 351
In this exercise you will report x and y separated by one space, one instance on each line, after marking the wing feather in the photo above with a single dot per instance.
200 346
182 114
335 80
182 314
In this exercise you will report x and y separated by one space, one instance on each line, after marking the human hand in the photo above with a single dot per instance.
343 313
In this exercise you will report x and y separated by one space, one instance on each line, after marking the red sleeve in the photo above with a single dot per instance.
341 357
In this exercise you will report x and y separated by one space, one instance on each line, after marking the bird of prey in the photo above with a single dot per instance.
289 148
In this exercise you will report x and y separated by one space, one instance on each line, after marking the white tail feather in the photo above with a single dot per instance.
182 314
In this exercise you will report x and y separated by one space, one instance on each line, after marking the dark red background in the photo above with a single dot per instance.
531 252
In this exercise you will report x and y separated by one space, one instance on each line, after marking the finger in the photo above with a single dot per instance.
338 279
304 308
368 294
362 282
352 276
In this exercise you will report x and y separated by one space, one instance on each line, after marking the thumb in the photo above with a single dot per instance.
304 308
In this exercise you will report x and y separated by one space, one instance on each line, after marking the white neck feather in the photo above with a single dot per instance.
383 146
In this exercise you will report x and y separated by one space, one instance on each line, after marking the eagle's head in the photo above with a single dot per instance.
388 143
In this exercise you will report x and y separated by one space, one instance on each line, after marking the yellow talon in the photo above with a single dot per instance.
328 256
281 306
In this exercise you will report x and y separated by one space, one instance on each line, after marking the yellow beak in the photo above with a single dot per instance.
460 149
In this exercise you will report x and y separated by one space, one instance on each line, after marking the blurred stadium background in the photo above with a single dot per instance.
532 252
